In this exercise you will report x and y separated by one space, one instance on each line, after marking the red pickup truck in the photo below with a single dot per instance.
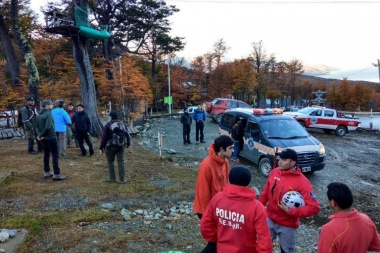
328 120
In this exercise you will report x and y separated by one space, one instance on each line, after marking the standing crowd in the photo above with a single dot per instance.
53 128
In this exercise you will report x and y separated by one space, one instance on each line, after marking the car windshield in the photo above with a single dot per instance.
216 102
283 129
306 110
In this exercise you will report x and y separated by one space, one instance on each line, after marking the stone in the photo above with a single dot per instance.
4 236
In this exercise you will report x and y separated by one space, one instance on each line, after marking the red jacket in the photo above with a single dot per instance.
349 232
212 178
280 182
237 222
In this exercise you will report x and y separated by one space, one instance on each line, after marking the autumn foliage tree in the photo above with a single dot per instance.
129 92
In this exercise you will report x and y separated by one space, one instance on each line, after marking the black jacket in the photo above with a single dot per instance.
186 119
82 122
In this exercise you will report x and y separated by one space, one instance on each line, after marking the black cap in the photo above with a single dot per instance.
29 99
289 154
239 175
114 115
46 102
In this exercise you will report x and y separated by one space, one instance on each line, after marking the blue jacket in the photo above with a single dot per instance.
199 115
61 119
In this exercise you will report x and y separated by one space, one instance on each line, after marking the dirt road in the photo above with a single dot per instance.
352 159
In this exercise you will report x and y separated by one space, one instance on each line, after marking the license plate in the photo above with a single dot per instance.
306 169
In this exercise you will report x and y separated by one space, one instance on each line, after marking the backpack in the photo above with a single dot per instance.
20 124
119 135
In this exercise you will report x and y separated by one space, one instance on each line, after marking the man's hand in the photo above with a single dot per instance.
40 138
101 151
283 207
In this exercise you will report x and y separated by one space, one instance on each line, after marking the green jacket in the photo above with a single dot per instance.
29 117
45 124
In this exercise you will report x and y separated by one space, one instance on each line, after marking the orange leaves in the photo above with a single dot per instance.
129 88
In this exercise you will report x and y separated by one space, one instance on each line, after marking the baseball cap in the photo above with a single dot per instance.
47 102
289 154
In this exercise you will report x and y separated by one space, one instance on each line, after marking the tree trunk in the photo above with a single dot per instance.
26 51
107 54
9 53
82 63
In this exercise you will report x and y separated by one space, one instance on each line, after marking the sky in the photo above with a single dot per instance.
340 34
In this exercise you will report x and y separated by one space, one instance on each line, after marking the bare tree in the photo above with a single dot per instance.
259 61
220 49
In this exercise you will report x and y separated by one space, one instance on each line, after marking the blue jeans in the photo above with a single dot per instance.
235 155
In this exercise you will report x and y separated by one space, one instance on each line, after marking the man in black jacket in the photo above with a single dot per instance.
83 128
186 121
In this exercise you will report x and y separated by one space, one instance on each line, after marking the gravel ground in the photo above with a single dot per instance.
351 159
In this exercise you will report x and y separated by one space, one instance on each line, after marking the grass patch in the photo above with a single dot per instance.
53 213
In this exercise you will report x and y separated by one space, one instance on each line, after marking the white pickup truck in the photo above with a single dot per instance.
328 120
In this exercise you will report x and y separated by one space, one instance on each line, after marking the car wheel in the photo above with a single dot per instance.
341 131
219 118
327 131
265 167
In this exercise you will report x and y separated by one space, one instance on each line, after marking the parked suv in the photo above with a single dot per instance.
218 106
268 132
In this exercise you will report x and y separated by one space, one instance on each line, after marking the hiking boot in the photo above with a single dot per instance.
58 177
110 181
202 141
48 174
189 142
33 152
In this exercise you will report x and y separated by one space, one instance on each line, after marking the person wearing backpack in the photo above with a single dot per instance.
29 121
114 140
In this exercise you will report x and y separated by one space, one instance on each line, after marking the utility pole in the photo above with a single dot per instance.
170 105
378 66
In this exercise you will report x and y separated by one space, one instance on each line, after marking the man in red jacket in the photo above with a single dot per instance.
235 220
282 220
348 230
